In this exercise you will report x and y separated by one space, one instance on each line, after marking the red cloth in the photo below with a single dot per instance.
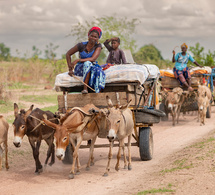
97 29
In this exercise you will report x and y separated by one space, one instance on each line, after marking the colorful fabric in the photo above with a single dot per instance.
97 29
167 73
106 66
184 45
182 60
182 75
97 76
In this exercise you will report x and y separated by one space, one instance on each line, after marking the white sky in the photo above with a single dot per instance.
165 23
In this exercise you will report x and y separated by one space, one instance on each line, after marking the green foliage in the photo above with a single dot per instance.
50 51
58 66
4 52
205 59
111 27
147 53
36 52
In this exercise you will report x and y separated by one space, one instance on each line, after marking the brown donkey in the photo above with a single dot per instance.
30 123
76 126
4 126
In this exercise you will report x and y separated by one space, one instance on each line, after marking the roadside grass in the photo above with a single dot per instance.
155 191
52 109
18 85
40 98
186 166
179 164
6 106
10 119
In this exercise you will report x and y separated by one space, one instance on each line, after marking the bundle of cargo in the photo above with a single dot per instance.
168 79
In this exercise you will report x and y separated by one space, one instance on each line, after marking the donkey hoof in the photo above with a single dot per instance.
92 163
71 176
105 175
129 167
117 168
40 170
36 173
51 163
87 168
78 173
125 167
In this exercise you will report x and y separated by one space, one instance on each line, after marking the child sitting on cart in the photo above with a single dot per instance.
116 55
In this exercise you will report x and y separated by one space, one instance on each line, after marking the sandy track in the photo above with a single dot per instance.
20 178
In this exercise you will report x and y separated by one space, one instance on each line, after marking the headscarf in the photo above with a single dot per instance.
97 29
184 45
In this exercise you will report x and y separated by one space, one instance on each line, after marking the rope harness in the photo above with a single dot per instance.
40 122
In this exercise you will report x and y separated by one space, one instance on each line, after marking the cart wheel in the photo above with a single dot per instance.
145 143
208 113
68 159
162 108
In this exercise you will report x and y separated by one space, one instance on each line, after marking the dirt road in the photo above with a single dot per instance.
20 178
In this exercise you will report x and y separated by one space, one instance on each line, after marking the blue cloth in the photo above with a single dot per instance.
181 61
97 76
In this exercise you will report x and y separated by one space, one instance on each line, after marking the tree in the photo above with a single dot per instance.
36 52
50 51
207 59
111 27
4 52
147 54
197 53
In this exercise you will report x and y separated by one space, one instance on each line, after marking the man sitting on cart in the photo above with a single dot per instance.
181 71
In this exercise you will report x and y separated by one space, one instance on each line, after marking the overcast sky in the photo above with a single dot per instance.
165 23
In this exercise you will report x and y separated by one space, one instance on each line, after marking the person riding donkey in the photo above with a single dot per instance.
87 66
116 55
181 71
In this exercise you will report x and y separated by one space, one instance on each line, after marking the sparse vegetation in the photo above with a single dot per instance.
40 98
155 191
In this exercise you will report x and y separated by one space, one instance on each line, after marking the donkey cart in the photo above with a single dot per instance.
143 107
190 104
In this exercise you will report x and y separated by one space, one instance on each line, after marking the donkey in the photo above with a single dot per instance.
4 126
121 126
30 123
76 126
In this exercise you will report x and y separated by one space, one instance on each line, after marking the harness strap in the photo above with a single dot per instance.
41 122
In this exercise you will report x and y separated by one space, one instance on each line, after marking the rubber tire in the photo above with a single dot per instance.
68 159
162 108
155 112
146 143
208 113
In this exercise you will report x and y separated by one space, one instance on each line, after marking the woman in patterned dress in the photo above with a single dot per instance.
87 66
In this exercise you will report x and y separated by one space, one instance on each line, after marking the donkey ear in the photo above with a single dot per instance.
16 109
109 102
123 107
50 124
28 112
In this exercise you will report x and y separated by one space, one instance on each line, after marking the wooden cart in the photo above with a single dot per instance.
191 103
142 96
